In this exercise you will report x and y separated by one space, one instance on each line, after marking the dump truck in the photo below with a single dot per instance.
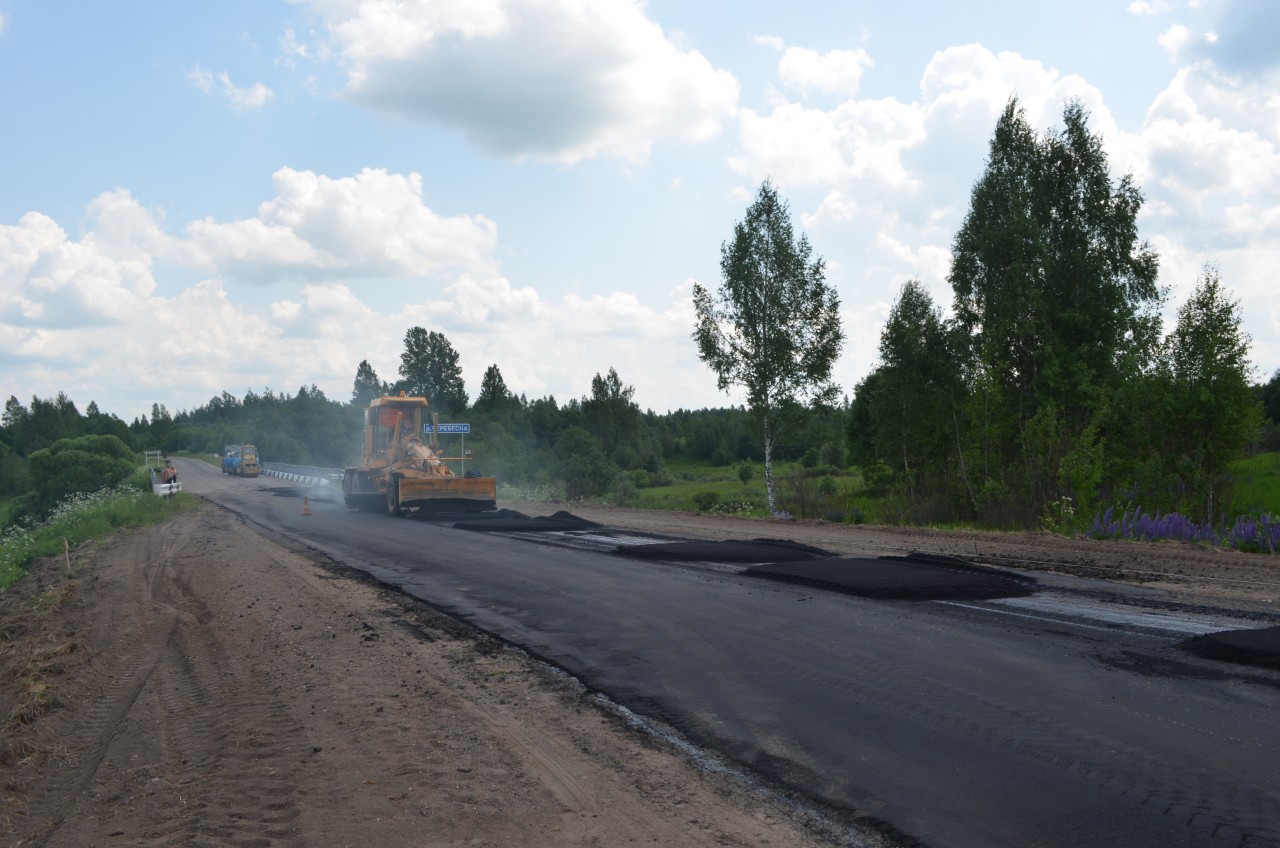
240 460
401 471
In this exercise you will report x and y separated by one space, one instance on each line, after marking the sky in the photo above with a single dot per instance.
259 194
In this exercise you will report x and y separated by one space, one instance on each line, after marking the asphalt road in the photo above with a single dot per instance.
1058 720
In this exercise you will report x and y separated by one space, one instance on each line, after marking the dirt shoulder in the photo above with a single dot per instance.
196 684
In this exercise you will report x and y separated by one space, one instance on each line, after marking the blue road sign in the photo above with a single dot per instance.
447 428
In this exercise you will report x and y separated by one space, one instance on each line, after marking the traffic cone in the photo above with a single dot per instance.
306 506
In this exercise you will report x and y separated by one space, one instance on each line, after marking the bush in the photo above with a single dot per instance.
706 501
624 488
660 477
84 464
587 472
805 497
834 455
745 472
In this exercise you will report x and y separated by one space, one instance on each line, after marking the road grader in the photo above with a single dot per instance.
400 471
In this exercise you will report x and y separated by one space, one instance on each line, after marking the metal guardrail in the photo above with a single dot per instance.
307 474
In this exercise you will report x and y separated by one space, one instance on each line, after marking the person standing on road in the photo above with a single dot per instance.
169 474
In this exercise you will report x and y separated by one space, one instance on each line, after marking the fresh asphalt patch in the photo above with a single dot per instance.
1259 648
918 577
755 550
911 578
441 516
514 522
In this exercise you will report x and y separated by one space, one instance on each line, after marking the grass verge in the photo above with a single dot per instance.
79 519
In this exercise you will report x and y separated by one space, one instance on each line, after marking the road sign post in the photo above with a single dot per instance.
460 430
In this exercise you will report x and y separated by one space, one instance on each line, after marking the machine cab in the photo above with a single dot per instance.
388 419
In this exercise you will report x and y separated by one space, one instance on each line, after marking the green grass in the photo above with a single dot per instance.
82 518
6 509
1256 490
1256 485
718 489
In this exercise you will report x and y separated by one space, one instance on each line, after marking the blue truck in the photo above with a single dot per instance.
240 461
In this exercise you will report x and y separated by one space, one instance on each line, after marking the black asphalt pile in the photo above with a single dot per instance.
1248 647
755 550
517 523
450 517
911 578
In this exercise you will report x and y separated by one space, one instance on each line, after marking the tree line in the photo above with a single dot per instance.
1051 388
600 443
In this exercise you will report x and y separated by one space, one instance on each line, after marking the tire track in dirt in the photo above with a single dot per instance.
124 667
223 740
168 721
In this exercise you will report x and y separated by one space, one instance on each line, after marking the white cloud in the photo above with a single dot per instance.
50 281
1148 7
293 50
87 316
373 224
556 347
963 90
1208 160
251 99
559 80
1177 40
833 72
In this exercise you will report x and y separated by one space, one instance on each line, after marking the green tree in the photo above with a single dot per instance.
1213 413
1269 399
611 415
429 368
773 328
13 472
366 385
1055 294
495 398
585 469
1269 396
905 412
84 464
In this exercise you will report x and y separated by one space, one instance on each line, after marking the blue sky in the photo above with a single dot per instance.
242 195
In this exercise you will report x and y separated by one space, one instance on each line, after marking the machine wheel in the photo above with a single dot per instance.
393 498
346 491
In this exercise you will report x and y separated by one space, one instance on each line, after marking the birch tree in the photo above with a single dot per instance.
773 327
